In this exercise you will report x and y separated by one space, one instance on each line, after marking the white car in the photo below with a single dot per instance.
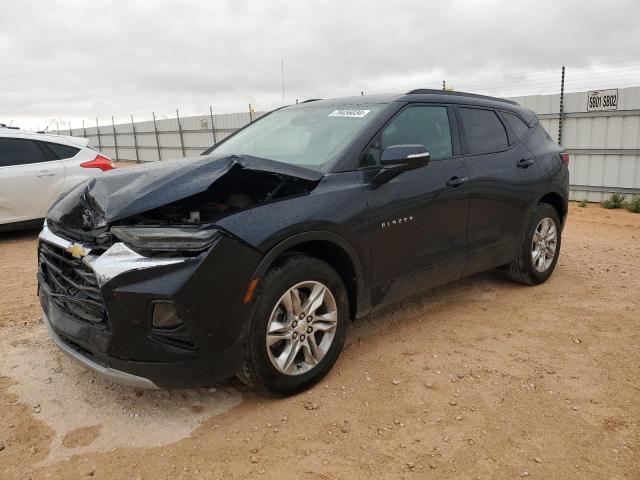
36 168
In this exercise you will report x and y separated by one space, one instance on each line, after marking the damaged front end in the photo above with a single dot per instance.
189 192
136 277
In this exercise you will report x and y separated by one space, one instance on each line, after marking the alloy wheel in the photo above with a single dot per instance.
302 327
544 244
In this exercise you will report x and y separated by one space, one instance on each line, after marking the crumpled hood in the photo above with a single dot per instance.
124 192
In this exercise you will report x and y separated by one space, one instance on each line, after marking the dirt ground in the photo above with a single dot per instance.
479 379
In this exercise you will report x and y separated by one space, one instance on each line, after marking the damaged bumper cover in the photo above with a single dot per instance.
78 355
99 309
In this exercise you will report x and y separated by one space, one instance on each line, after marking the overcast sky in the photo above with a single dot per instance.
68 61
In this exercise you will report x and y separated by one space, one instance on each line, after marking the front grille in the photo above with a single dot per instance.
73 287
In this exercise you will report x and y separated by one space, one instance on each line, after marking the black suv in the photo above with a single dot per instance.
253 259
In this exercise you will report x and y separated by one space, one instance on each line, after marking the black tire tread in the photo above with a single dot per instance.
520 270
249 373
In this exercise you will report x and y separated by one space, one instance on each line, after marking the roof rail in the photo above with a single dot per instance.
311 100
433 91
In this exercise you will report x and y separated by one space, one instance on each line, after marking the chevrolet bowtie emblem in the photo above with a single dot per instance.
77 251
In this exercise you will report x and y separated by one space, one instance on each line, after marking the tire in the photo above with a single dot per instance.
263 368
524 269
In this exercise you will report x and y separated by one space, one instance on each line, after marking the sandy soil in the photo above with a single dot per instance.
479 379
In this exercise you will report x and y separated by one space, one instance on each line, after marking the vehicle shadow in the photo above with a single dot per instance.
18 235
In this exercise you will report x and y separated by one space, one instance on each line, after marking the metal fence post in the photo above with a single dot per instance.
135 139
99 139
155 128
213 127
70 130
561 108
180 133
84 130
250 114
115 138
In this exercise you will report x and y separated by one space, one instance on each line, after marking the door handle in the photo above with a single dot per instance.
45 173
457 181
525 162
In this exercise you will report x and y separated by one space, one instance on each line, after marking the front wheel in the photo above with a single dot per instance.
539 249
297 328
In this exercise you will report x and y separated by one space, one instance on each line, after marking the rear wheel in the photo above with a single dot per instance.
539 249
297 328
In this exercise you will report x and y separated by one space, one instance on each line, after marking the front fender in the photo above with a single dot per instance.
363 299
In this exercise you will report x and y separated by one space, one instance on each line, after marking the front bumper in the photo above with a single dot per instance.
76 354
207 292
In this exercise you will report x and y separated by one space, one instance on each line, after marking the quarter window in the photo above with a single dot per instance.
14 151
62 152
421 125
484 131
516 124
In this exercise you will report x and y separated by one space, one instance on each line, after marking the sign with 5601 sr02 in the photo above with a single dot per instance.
600 100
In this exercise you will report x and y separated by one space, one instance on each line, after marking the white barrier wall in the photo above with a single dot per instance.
166 139
603 146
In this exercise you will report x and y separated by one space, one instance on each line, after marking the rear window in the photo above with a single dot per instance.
516 124
484 131
15 151
62 151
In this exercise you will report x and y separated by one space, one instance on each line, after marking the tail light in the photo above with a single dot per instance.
565 158
101 162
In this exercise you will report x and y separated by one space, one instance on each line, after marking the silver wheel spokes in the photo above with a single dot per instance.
302 327
544 243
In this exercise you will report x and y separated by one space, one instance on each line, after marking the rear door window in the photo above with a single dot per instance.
16 151
484 131
62 152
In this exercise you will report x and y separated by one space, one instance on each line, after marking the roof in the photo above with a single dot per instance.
354 100
420 95
45 137
427 96
430 91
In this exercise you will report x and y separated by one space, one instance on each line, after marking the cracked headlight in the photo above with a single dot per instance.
189 238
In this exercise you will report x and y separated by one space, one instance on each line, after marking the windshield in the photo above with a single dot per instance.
310 137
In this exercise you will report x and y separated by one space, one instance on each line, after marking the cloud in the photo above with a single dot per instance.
82 60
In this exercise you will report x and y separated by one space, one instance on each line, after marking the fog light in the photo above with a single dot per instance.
165 316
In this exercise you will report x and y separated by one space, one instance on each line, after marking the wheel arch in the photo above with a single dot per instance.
558 202
331 248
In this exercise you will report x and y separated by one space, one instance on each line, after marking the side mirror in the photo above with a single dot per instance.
401 158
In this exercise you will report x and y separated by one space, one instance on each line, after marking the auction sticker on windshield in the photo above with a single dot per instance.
349 113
